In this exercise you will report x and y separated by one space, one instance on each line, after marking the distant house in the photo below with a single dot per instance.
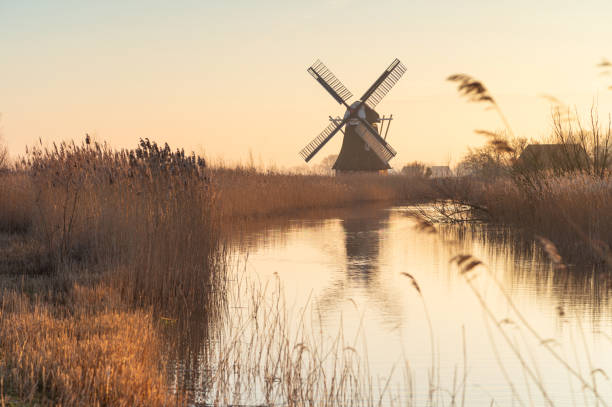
556 157
440 171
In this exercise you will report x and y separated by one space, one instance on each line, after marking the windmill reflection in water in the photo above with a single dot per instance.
364 233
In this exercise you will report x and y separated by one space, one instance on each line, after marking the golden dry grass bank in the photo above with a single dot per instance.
95 355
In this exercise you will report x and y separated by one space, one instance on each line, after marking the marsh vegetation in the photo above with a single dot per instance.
120 284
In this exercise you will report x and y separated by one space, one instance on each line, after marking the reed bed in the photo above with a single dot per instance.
248 192
572 210
136 224
145 213
17 202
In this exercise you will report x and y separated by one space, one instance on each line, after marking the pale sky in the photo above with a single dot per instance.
229 78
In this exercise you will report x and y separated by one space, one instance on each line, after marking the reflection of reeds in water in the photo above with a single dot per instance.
577 289
469 267
262 358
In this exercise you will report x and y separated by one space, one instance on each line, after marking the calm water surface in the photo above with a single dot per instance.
347 270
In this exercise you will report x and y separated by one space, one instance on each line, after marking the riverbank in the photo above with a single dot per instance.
99 250
573 211
102 252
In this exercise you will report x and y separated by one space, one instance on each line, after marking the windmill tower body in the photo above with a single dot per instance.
356 154
363 148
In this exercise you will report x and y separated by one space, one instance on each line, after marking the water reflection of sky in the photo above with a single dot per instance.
348 267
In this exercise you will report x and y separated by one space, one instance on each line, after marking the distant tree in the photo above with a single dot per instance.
416 169
494 159
326 164
4 156
591 139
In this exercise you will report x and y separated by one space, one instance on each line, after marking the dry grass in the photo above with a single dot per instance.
16 204
136 230
146 213
119 240
573 210
90 357
250 193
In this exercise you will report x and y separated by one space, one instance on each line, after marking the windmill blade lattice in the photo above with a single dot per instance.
329 81
383 84
380 147
318 142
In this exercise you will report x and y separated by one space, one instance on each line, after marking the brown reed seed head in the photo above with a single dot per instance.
413 281
497 141
501 146
486 133
471 88
553 100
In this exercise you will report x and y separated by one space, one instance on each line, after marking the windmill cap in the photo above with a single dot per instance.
361 113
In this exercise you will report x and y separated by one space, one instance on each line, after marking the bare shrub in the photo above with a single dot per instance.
4 157
495 159
416 169
587 147
4 154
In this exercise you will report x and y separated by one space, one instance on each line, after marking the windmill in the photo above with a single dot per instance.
363 147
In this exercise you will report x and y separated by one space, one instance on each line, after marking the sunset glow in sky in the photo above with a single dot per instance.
228 78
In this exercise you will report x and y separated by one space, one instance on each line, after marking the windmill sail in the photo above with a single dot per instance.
329 81
318 142
381 148
383 84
